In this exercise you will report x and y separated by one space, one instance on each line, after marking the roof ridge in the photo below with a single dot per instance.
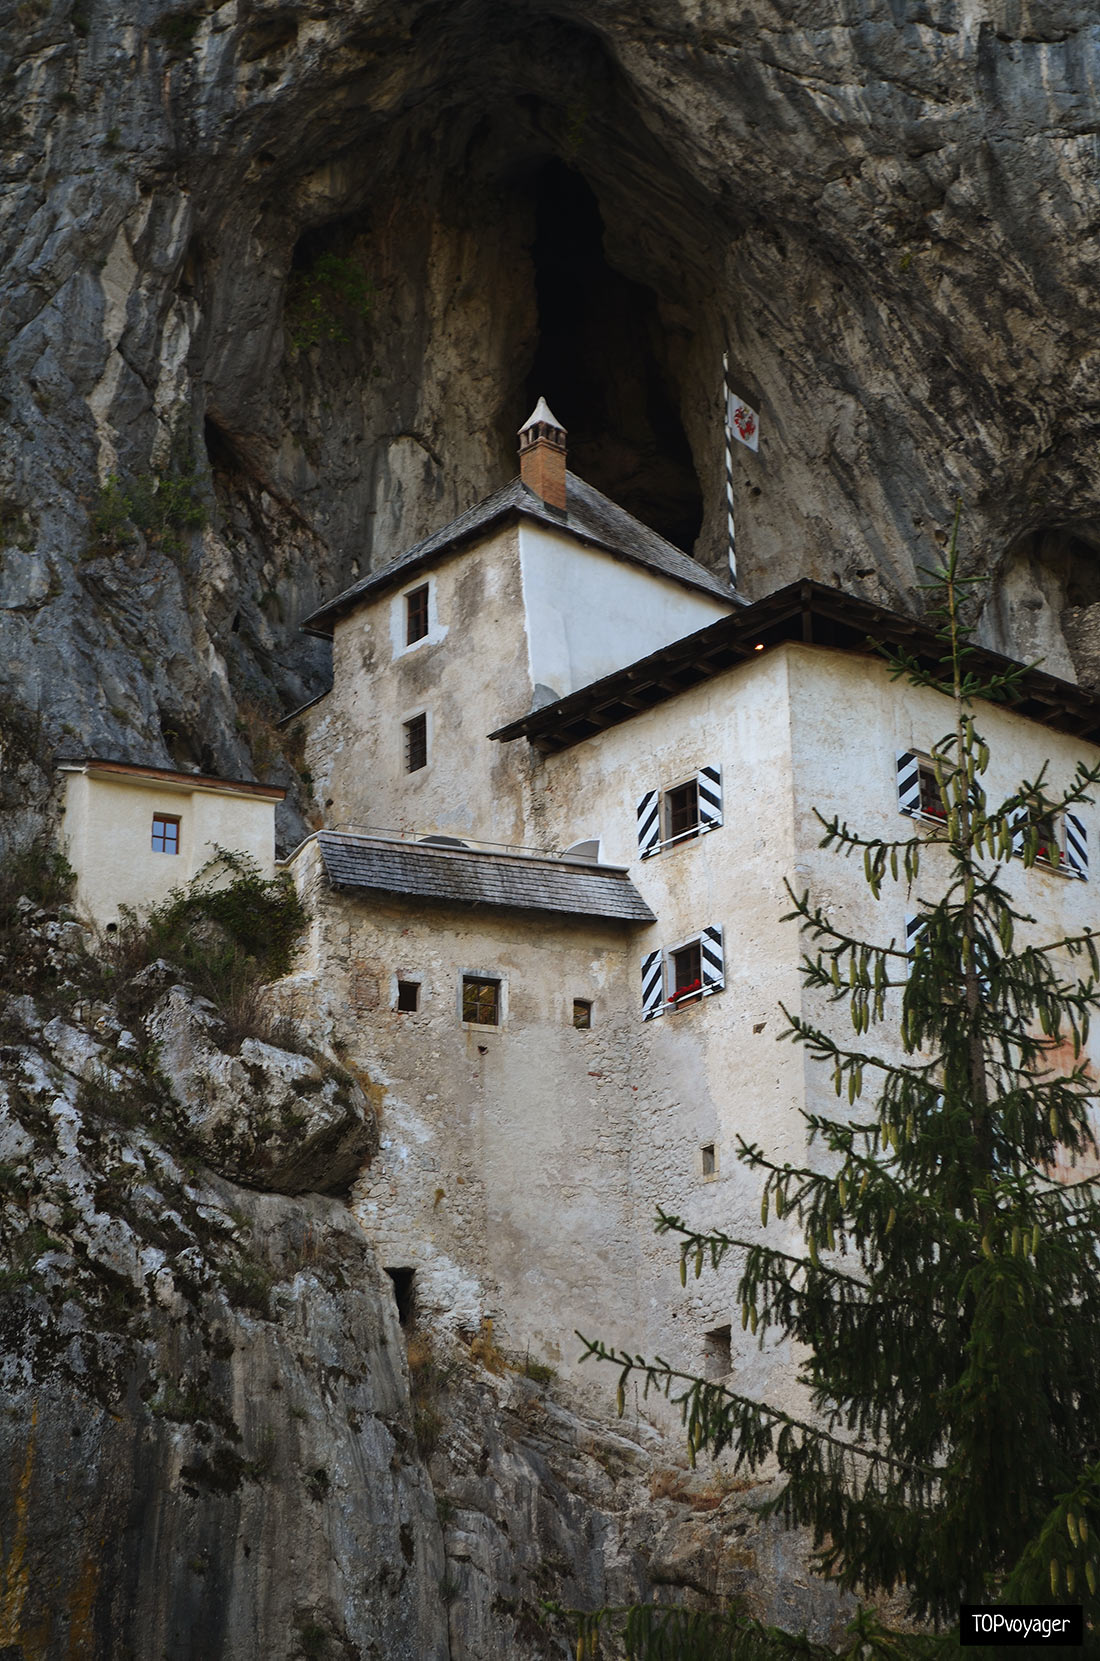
619 534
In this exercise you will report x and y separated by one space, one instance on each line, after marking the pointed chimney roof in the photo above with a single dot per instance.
542 456
544 416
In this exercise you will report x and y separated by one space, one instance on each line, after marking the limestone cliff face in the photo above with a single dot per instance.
213 1445
206 1441
280 280
310 264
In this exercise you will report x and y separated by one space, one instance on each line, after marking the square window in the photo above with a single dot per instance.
582 1014
481 1000
416 743
685 974
408 996
416 615
709 1159
718 1352
166 834
682 811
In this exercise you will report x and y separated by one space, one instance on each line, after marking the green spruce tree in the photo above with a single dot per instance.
947 1302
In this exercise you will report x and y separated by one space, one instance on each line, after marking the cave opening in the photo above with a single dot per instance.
601 361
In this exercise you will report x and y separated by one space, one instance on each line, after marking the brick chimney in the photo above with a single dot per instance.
542 456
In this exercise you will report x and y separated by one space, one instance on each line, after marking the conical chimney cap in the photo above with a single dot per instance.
542 415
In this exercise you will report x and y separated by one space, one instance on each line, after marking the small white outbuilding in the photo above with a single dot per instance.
133 834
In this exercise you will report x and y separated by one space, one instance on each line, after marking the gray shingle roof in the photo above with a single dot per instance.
470 877
592 518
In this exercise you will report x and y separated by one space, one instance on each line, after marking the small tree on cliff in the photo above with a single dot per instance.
947 1302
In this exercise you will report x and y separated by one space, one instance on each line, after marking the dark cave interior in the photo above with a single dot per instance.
602 366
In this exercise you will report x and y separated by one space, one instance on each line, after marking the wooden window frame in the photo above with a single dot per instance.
672 810
417 614
682 812
165 820
582 1007
684 974
487 983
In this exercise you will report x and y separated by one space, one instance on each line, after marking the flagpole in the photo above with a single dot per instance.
726 396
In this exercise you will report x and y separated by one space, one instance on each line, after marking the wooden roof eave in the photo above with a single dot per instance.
789 615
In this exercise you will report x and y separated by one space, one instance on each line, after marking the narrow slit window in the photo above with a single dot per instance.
481 1001
718 1352
166 834
582 1014
408 996
416 615
709 1159
416 743
404 1294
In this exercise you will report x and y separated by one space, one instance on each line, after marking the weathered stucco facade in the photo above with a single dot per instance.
540 610
522 1161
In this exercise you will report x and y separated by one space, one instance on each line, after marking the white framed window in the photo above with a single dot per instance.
680 812
414 617
673 977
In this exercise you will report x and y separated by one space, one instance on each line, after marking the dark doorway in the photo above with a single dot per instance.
404 1292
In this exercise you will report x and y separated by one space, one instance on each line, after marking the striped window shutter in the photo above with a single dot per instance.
1018 821
649 824
653 985
713 957
709 786
1077 847
914 927
908 782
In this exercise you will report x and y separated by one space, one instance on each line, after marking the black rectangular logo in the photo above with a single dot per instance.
1046 1625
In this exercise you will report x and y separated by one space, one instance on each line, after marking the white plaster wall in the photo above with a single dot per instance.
711 1071
589 613
107 831
849 720
797 728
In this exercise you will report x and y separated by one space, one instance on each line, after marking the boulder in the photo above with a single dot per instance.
266 1116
